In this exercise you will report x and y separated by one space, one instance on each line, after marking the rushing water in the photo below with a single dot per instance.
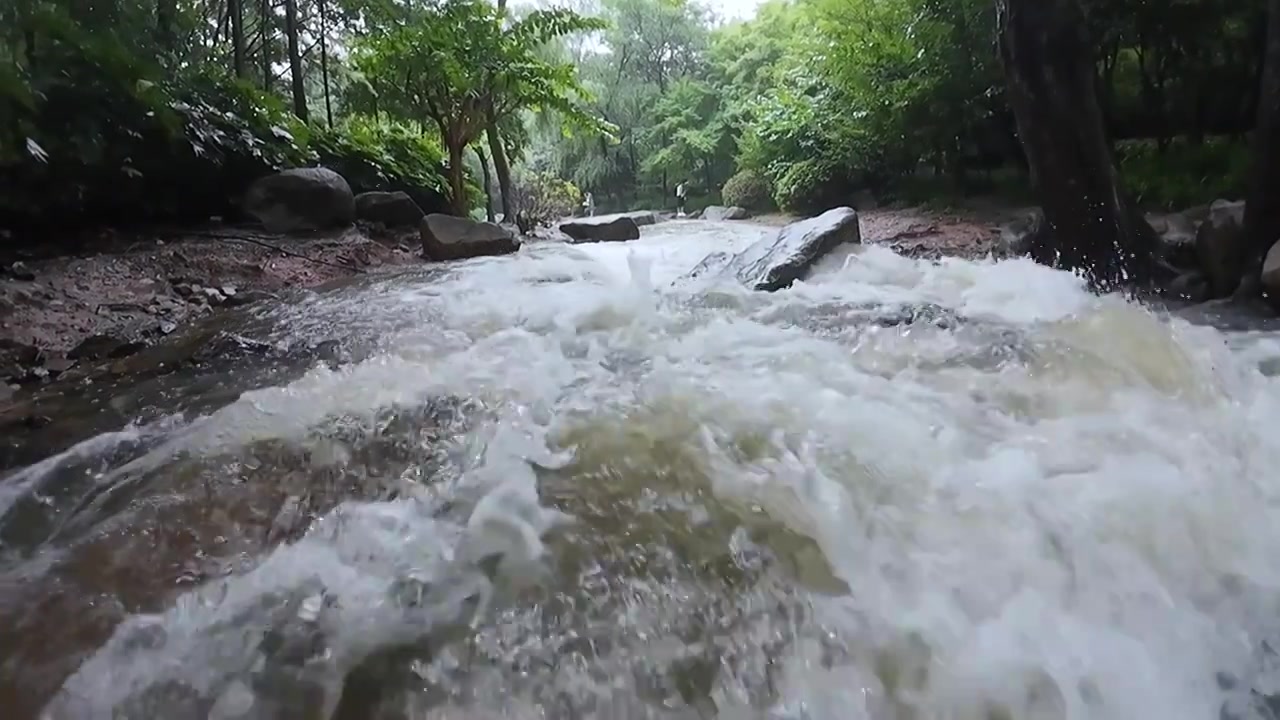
568 484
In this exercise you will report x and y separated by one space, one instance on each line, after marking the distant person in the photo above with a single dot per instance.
590 204
680 197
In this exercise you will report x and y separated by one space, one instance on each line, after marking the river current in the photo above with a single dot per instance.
569 483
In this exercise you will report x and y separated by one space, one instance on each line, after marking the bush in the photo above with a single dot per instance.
809 186
747 189
378 155
541 198
1184 175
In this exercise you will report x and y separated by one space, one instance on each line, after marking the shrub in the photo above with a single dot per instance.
1184 174
377 155
808 186
541 198
747 189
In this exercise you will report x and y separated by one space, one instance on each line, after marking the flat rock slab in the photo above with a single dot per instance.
719 212
447 237
606 228
773 264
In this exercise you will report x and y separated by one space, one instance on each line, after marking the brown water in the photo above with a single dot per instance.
566 484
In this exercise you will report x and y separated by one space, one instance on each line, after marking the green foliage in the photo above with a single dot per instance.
809 186
384 155
747 189
542 198
1184 174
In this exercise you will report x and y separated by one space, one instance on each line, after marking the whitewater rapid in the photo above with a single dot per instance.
899 489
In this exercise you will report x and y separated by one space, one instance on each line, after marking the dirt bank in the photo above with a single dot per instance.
970 232
125 291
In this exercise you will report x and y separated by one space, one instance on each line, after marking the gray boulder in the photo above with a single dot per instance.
1177 232
718 212
775 264
1019 237
642 217
392 209
606 228
447 237
301 199
1271 271
1221 246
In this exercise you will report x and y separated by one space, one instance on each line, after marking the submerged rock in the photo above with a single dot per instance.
301 199
773 264
447 237
392 209
608 228
719 212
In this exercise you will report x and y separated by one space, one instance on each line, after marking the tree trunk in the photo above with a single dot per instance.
488 187
237 37
1262 207
457 180
324 64
295 59
264 27
501 168
1092 227
165 12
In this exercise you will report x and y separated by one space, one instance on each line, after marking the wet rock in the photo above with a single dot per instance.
1018 238
1221 246
166 328
247 297
718 212
773 264
56 365
446 237
301 199
392 209
185 290
643 217
97 347
228 290
695 215
20 271
213 295
712 263
1177 235
606 228
1192 285
1271 271
15 357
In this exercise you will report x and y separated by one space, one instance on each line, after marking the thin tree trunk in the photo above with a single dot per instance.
1091 226
324 63
501 168
488 185
1262 207
237 37
295 59
457 180
264 27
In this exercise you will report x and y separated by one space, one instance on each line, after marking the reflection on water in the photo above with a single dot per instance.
569 484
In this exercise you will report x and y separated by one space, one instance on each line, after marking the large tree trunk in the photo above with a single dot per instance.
501 168
457 180
1091 226
237 37
295 59
1262 209
324 63
264 28
488 186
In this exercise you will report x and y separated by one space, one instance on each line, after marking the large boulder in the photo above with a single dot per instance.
718 212
642 217
1177 232
392 209
606 228
1221 246
301 199
773 264
1271 271
447 237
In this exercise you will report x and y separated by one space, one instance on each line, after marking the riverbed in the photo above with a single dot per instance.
571 483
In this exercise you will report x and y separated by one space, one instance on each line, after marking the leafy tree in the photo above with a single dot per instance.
454 63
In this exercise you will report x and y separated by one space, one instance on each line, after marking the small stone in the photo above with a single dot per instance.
20 271
213 295
184 290
57 365
228 290
167 328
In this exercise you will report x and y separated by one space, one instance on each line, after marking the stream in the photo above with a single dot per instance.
571 483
